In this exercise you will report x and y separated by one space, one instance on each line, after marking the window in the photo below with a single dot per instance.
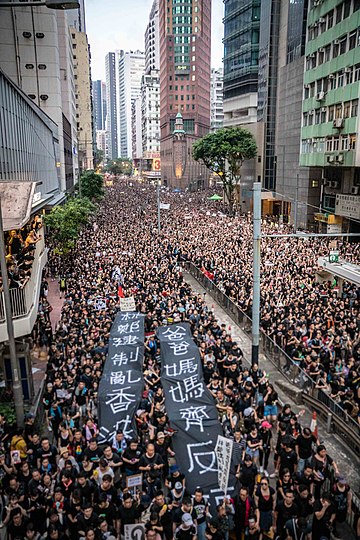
347 5
327 53
323 116
335 50
305 119
330 19
352 41
331 113
343 40
344 143
347 107
339 13
338 111
349 77
356 5
306 92
357 73
317 116
352 142
336 144
340 79
354 107
329 145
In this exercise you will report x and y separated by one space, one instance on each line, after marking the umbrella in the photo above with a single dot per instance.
215 197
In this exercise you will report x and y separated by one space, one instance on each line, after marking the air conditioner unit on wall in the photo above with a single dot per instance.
338 123
340 158
330 159
320 96
355 190
333 184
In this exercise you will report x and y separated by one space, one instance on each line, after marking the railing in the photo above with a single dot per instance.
22 299
336 417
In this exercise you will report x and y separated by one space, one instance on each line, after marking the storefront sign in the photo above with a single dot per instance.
348 206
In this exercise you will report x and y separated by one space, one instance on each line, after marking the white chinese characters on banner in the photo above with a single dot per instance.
223 451
194 416
204 459
123 358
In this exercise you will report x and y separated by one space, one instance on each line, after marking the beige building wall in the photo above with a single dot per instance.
81 57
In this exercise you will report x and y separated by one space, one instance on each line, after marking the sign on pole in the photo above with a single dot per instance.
164 206
127 304
223 451
334 256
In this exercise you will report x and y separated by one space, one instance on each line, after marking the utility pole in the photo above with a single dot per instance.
256 273
158 205
16 384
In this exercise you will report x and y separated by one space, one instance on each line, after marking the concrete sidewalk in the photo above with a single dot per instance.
347 462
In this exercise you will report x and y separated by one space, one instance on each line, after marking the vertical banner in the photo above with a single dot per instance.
122 382
191 410
223 451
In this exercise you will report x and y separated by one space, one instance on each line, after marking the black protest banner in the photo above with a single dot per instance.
191 410
122 383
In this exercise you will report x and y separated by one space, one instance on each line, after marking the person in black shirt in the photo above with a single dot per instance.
324 517
151 462
93 452
212 531
303 447
164 510
287 456
46 450
304 501
285 510
247 472
129 512
86 519
131 457
245 508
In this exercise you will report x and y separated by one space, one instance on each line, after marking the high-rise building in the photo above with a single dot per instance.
292 180
185 47
150 88
35 53
81 56
241 65
330 145
241 60
131 66
99 102
150 113
216 100
111 106
136 134
152 52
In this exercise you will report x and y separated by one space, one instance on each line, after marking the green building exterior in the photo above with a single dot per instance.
330 115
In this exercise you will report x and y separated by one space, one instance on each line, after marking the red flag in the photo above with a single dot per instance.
120 292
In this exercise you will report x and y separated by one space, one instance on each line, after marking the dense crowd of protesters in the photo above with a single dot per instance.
20 245
315 323
65 485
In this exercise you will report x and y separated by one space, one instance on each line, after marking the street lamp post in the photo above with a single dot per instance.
16 384
256 274
158 206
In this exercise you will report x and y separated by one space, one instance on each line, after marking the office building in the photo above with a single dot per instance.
111 107
240 97
216 100
152 44
136 140
99 102
330 145
131 66
81 56
185 47
150 113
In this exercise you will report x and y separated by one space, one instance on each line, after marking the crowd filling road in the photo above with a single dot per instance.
60 483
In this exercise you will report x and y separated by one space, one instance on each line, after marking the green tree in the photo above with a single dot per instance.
65 222
98 157
92 185
120 166
223 152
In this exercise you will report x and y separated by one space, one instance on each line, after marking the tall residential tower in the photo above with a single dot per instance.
111 107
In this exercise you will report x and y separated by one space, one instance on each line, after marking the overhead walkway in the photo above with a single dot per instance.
343 270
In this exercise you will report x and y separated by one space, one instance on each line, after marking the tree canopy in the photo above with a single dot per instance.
92 185
120 166
223 152
66 221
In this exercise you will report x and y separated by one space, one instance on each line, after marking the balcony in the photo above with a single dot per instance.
24 302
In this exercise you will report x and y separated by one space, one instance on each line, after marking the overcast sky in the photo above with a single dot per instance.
120 24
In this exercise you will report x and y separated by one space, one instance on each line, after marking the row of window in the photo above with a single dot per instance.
182 97
328 144
335 80
348 109
333 17
339 46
